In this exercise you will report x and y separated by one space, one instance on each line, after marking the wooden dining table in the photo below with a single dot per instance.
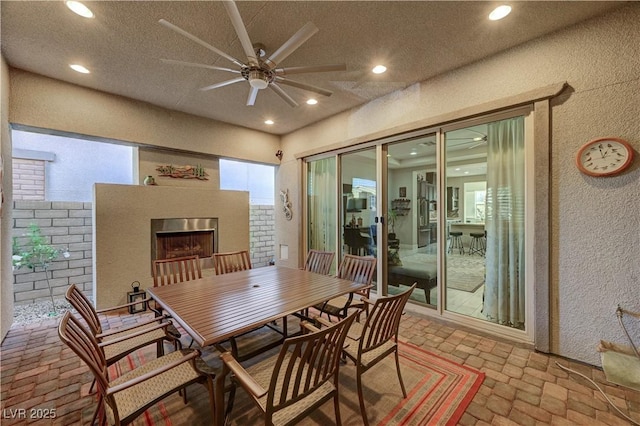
216 308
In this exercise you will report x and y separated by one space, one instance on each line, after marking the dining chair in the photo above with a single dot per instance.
319 261
231 262
119 342
176 270
122 400
300 378
354 268
376 338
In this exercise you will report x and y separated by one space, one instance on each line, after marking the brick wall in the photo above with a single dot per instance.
262 234
28 179
68 225
64 225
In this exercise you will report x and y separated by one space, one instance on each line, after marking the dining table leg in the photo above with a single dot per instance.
219 396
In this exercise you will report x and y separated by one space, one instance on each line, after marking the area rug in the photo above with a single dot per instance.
465 272
438 393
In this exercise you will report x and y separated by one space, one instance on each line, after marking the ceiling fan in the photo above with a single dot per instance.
475 141
260 72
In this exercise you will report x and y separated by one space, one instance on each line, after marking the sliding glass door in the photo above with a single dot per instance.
443 208
485 202
412 218
322 205
359 198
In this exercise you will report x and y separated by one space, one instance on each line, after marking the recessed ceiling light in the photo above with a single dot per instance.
312 101
457 169
379 69
79 68
269 122
500 12
466 173
80 9
477 139
413 153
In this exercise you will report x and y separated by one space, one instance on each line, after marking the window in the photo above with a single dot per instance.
474 201
258 179
66 168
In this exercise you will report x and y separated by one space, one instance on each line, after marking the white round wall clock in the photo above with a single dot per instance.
604 157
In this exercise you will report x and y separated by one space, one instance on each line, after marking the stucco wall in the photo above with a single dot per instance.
44 102
122 230
6 278
594 259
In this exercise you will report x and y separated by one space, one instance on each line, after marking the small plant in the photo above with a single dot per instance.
391 218
38 253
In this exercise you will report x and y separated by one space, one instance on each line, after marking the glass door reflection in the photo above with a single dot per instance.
412 216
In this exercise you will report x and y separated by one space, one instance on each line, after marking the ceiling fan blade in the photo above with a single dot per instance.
311 68
241 31
288 99
292 44
223 83
192 64
251 100
200 42
304 86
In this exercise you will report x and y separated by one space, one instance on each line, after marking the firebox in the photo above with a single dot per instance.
178 237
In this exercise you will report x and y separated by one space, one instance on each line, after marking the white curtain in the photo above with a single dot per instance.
504 293
322 204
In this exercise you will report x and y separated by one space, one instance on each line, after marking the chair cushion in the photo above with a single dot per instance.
118 350
130 400
370 357
261 373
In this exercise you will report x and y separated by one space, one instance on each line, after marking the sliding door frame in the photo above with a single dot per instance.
540 310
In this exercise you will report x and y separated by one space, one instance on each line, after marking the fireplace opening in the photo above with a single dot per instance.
178 237
179 244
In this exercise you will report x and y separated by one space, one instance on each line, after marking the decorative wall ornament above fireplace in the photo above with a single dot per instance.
183 172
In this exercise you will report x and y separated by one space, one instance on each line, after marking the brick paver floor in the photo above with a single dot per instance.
522 387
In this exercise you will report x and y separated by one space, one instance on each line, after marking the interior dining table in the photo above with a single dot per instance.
216 308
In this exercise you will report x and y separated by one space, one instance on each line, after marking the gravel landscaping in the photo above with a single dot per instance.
38 311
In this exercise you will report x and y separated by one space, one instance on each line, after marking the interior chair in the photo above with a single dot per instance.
370 342
122 400
319 261
354 268
300 378
231 262
119 342
356 240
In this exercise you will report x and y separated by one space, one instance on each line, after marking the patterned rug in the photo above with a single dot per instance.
465 272
438 393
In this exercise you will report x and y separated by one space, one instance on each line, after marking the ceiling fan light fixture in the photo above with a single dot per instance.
258 80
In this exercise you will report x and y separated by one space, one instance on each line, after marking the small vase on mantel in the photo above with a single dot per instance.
149 180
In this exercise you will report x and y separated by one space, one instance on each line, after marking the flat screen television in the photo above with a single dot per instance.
356 204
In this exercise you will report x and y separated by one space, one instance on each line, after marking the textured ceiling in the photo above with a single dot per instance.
124 43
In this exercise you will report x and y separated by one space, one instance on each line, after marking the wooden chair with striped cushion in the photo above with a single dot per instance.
300 378
122 400
231 262
319 261
119 342
355 268
370 342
